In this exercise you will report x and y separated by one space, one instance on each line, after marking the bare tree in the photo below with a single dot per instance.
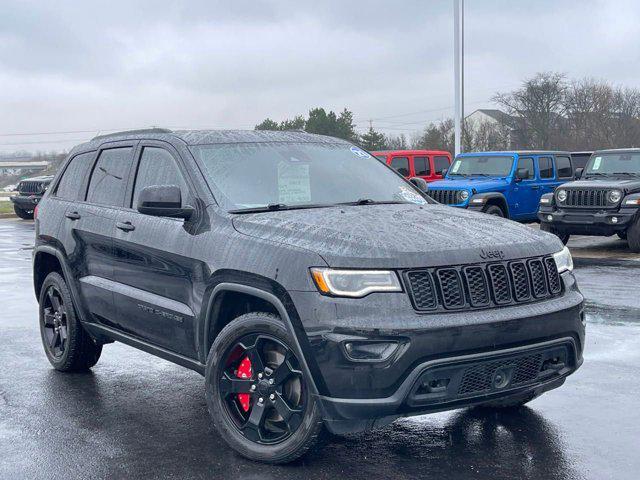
538 108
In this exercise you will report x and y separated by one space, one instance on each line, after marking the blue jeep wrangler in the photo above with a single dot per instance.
506 184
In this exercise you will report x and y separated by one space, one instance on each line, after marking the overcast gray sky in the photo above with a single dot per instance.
97 66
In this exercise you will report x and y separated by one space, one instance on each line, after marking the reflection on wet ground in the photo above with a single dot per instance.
136 416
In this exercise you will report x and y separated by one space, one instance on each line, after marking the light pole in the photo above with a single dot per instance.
458 71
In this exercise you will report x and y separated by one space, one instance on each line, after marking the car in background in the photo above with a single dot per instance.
507 184
30 192
579 160
426 164
604 200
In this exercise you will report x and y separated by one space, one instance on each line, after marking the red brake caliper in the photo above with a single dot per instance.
244 371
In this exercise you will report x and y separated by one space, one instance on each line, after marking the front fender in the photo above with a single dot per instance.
479 200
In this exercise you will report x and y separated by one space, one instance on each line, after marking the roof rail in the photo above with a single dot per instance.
133 132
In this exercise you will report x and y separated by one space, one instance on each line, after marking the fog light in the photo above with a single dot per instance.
614 219
549 218
369 351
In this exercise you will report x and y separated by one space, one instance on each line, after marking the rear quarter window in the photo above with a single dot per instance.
74 176
440 163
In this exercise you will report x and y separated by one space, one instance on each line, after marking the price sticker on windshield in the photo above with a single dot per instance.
294 185
456 166
596 163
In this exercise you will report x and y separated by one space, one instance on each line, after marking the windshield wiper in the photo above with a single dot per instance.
272 207
369 201
630 174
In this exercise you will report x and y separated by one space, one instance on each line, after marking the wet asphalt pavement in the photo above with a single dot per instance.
137 416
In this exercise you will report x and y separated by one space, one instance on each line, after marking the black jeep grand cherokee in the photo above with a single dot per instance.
604 201
308 294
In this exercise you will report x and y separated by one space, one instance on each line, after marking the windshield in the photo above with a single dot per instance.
614 163
289 174
493 166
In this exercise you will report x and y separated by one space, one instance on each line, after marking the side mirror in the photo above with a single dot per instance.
163 201
578 173
522 174
419 183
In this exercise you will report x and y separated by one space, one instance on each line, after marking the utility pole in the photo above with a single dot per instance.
458 71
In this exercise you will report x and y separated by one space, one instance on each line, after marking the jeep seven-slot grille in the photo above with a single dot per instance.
447 197
586 198
30 187
483 285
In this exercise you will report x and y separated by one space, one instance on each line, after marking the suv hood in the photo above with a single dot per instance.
626 184
398 236
481 184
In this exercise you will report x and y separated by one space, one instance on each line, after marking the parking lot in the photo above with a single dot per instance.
135 415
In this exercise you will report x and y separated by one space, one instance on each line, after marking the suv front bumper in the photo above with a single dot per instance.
26 202
437 347
588 222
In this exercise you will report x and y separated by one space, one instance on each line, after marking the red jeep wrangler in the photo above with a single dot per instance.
426 164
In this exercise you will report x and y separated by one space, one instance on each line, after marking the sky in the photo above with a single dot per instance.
70 70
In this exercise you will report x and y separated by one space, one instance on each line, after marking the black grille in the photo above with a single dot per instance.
451 288
424 293
478 286
479 378
538 278
586 198
30 187
447 197
483 285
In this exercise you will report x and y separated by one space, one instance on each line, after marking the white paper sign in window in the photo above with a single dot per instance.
294 185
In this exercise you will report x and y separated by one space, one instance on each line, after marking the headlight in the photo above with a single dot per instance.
464 195
354 283
615 196
563 259
561 195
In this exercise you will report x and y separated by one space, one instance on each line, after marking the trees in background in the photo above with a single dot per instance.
548 111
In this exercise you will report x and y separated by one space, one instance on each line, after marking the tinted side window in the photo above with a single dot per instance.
527 163
545 164
109 178
73 176
401 164
421 165
440 162
157 167
580 160
563 165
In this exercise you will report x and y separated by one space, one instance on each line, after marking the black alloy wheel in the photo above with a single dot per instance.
262 388
56 333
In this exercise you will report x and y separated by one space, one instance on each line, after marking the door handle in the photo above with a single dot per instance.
72 215
535 187
125 226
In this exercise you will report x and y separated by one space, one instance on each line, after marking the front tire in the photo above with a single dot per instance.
68 346
494 210
633 236
564 237
257 394
22 213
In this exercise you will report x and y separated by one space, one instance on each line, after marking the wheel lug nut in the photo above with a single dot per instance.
260 400
271 381
253 388
259 375
272 397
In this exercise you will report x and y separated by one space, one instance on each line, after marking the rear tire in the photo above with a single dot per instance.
22 213
633 236
564 237
494 210
252 421
68 346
